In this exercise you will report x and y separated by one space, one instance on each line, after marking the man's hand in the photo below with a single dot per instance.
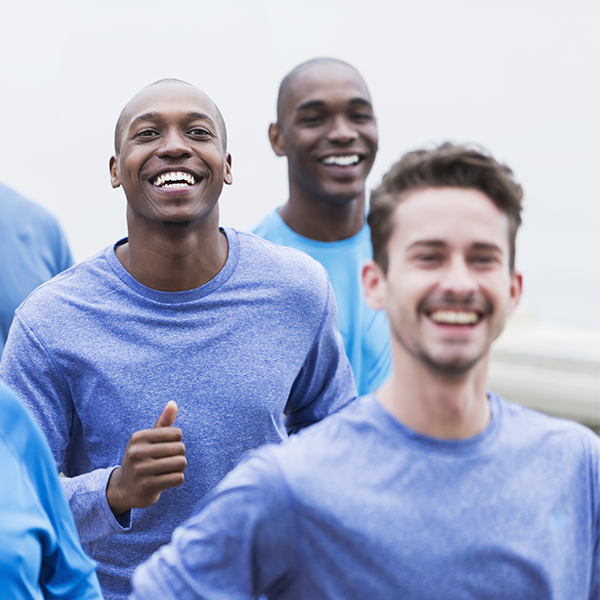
154 460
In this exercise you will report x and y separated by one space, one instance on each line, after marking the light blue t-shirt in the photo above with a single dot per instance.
364 330
96 356
33 249
40 553
360 506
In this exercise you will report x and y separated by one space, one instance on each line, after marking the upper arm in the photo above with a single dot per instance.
241 543
325 384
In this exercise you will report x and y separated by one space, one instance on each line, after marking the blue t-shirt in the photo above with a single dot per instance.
40 552
33 249
365 331
96 356
361 506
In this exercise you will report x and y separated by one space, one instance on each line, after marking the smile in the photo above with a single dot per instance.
455 317
174 179
342 161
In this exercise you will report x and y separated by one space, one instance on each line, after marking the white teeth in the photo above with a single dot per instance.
174 179
454 317
341 161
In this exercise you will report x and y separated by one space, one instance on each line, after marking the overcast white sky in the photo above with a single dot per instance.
521 77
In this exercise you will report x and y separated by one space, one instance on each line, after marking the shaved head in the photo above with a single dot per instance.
124 115
286 84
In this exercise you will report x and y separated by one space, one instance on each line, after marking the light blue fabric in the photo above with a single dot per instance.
33 249
96 356
360 506
40 553
365 331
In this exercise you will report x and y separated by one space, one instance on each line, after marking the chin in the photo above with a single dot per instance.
176 224
451 366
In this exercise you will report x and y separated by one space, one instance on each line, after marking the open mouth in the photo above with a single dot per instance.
174 179
342 160
455 317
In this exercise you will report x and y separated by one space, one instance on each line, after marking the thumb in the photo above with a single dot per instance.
167 418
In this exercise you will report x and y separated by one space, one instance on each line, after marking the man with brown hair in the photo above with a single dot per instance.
432 487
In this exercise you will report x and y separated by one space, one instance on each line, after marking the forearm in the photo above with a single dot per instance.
86 495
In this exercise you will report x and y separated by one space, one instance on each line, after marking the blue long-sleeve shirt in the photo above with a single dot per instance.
96 356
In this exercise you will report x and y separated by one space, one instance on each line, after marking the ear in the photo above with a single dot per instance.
373 280
115 177
276 139
516 288
228 178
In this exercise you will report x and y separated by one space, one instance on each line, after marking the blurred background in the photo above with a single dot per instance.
520 77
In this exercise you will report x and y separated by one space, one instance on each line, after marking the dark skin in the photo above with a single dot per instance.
325 113
172 165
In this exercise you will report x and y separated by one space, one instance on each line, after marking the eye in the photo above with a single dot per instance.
311 120
200 132
429 258
361 117
146 133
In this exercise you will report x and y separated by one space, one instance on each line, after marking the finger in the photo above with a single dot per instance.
156 451
167 418
147 472
155 436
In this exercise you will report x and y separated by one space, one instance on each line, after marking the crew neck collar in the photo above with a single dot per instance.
178 297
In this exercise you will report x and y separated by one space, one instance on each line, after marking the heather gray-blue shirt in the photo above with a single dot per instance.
362 507
96 356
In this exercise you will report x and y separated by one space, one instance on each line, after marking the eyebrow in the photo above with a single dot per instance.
441 244
153 115
319 103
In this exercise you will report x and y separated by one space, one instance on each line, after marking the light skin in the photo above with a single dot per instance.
326 113
172 166
447 293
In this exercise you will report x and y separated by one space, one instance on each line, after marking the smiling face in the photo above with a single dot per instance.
327 131
171 161
448 288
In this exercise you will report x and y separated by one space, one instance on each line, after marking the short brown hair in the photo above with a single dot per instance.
448 165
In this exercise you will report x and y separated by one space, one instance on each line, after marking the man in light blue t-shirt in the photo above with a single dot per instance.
33 248
327 130
431 487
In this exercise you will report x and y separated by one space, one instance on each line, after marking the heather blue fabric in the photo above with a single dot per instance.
365 331
96 356
40 553
33 249
360 506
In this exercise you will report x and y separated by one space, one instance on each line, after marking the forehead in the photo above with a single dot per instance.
326 82
169 100
458 217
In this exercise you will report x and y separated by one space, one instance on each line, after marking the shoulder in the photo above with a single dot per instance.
25 210
79 281
535 428
280 264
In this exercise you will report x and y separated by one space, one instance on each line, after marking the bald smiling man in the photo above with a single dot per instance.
176 350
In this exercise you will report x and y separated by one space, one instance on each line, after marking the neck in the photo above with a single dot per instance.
173 260
322 220
435 404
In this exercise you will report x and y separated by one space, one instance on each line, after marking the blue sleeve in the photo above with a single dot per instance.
325 383
65 571
242 543
30 371
595 496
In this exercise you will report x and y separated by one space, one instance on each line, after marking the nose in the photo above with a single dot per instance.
458 281
173 145
342 131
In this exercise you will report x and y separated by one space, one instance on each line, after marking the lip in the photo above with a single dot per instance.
455 319
174 191
361 157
